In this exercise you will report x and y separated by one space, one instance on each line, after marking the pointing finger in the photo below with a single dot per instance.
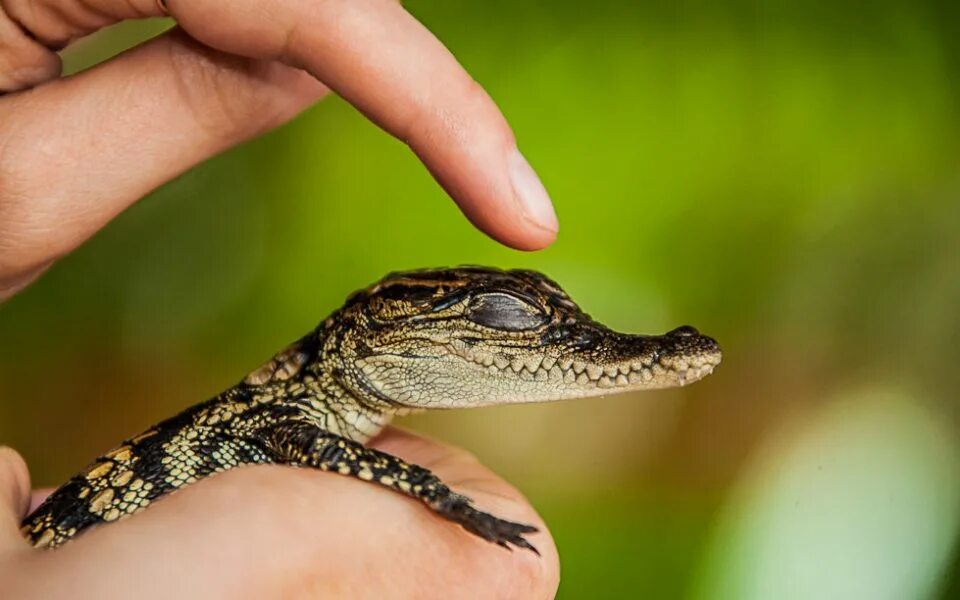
383 61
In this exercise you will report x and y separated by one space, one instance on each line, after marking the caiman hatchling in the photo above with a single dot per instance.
445 338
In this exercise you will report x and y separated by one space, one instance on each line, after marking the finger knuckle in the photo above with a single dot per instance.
23 61
56 23
41 20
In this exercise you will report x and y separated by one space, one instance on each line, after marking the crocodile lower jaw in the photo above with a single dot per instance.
637 374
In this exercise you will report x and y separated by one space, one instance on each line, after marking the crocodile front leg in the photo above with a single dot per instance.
304 444
130 477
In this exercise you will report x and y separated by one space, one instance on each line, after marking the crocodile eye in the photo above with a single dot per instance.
503 311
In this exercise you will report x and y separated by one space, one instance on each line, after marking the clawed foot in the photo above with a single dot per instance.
457 508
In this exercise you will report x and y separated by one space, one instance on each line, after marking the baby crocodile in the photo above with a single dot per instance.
445 338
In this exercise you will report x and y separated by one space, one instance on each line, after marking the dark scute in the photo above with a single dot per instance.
503 311
414 294
448 301
684 331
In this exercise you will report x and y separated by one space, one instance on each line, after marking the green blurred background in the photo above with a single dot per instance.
782 175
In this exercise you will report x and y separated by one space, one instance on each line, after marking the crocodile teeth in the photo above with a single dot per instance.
565 363
533 364
611 370
548 362
605 382
646 375
594 371
634 377
622 380
501 362
556 374
579 366
540 375
582 378
569 376
625 369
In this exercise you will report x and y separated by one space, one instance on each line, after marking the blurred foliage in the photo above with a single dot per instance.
782 175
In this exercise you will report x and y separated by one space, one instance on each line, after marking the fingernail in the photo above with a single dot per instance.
533 197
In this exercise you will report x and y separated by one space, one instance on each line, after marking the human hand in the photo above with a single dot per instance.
281 532
76 152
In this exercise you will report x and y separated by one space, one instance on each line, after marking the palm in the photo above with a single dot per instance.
281 532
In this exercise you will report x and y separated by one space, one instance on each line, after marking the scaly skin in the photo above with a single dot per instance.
445 338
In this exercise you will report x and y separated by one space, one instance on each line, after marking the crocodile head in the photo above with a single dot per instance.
477 336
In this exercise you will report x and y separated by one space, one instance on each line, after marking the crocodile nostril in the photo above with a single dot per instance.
684 331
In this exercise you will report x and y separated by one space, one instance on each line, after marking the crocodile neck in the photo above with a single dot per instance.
307 379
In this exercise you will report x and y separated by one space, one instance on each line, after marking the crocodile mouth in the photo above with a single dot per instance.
620 362
653 372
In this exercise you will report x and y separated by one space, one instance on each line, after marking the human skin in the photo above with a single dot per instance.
77 151
281 532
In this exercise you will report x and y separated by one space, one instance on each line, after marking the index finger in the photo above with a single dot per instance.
384 62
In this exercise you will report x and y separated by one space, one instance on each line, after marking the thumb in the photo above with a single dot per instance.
14 498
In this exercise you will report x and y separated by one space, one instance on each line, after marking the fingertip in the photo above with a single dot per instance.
508 202
14 481
512 229
532 238
531 195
